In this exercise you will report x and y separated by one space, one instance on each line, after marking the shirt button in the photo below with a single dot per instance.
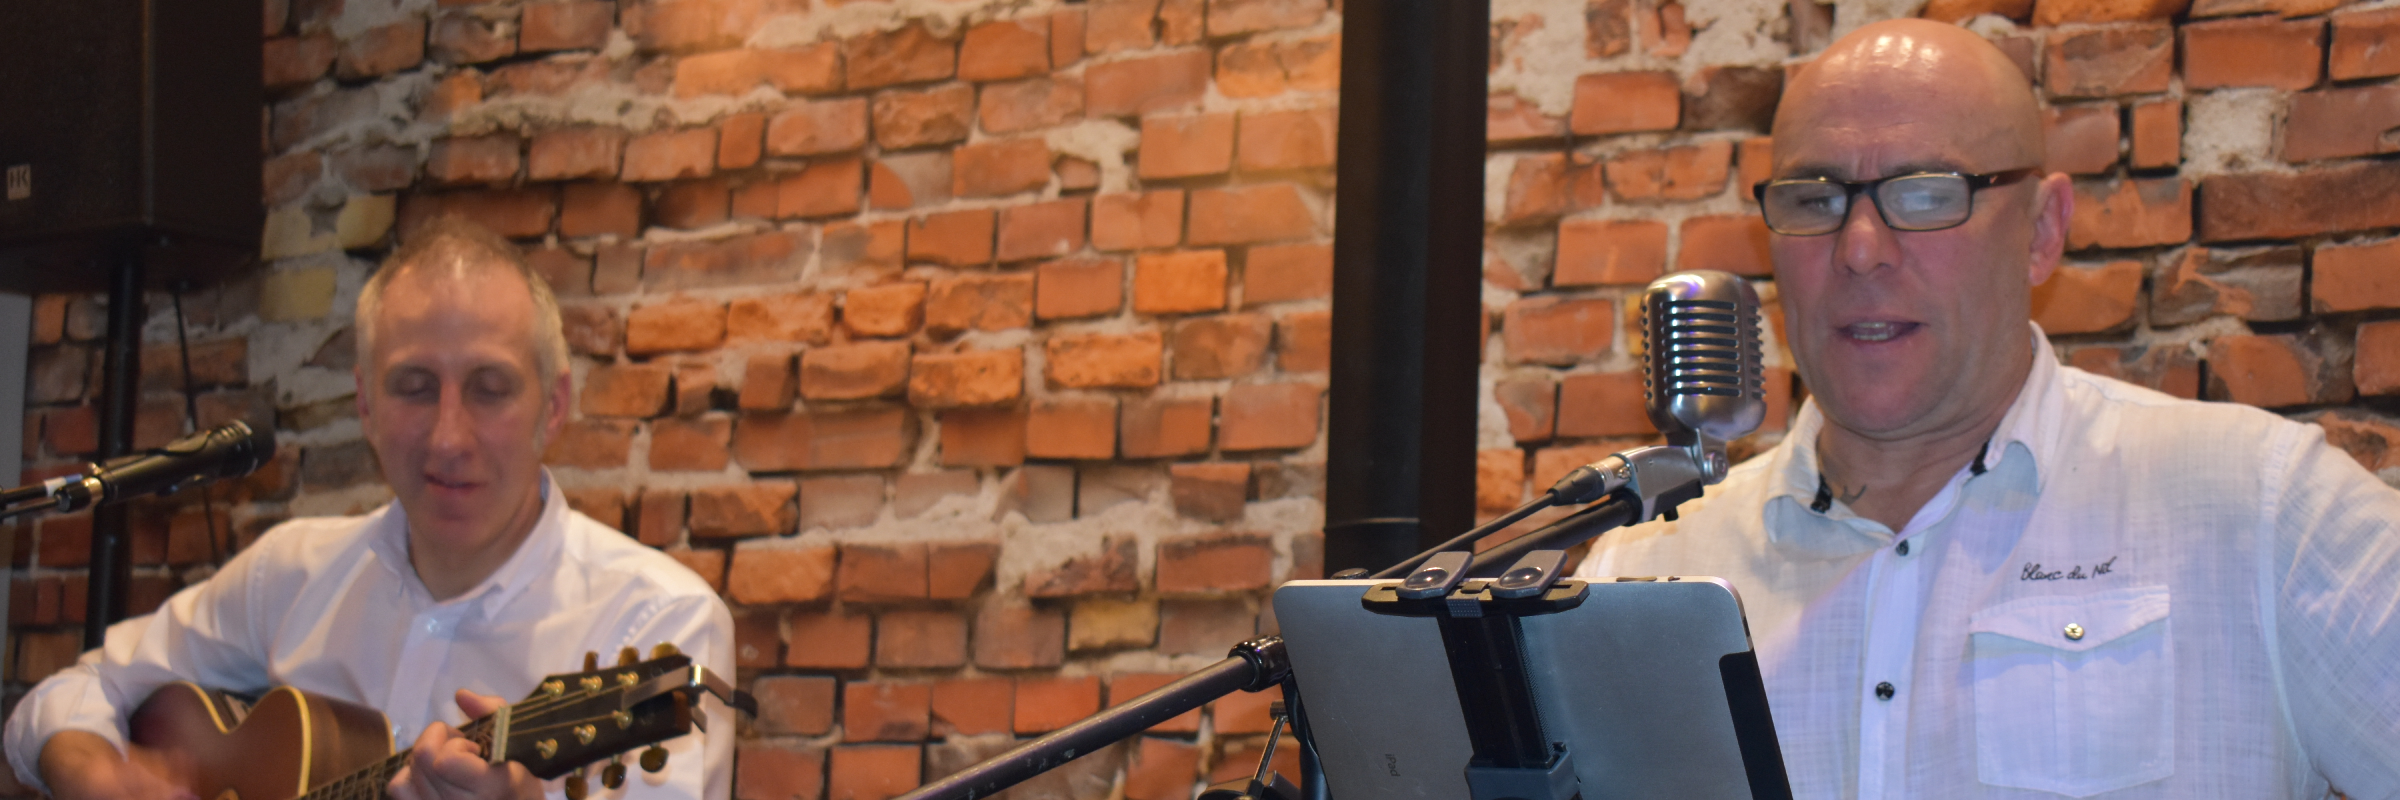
433 626
1884 690
2074 632
1902 549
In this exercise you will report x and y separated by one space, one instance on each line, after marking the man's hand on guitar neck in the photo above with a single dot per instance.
80 765
444 765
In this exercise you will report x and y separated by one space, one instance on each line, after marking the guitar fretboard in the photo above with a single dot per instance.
369 783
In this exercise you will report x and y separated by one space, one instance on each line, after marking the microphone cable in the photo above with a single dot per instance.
191 419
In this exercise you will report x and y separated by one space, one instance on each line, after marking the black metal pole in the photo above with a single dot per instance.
121 375
1408 252
1255 665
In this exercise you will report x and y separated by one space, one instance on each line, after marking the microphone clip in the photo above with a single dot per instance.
1657 478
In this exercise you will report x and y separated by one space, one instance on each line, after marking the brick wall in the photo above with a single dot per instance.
977 350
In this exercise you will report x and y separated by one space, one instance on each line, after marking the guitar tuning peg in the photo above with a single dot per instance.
654 759
628 657
577 787
613 775
663 650
591 661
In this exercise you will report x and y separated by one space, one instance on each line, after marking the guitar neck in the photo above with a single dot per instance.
370 783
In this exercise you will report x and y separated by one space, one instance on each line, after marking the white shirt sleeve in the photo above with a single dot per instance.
200 635
2333 581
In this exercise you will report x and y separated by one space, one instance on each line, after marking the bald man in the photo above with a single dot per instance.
1973 572
472 585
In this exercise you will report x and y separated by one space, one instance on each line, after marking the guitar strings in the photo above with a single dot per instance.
369 783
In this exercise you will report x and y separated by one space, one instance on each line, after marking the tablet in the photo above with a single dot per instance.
1652 684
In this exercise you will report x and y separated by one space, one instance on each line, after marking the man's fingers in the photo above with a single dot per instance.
478 705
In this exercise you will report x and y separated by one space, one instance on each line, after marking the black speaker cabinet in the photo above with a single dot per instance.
128 128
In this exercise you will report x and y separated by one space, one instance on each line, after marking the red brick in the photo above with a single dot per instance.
1138 86
470 39
778 771
966 379
1166 427
854 371
1162 769
2362 44
692 204
2131 59
2131 213
1602 404
983 437
595 209
2264 371
1126 687
1625 102
2252 51
687 24
970 706
2377 367
886 711
818 127
698 444
873 771
924 117
695 382
1216 563
995 168
2047 13
1028 104
768 383
794 704
932 639
490 159
1680 173
1048 704
908 55
874 246
827 187
1558 331
670 155
1115 25
1251 68
1104 361
1499 480
1509 119
1232 17
2088 300
809 69
1734 243
293 62
659 520
1066 37
1186 146
740 140
677 324
1039 230
1623 252
1278 273
1287 139
1270 416
1756 158
1537 189
957 570
2157 134
2280 206
2341 122
625 390
1005 49
1250 214
1014 636
858 439
801 317
829 640
892 309
1179 283
592 444
571 25
815 69
954 238
780 575
754 509
378 51
1072 428
2080 139
575 153
881 573
1137 221
1220 346
2356 277
1304 342
1243 713
1078 287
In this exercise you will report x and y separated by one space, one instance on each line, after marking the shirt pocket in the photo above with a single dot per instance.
2074 695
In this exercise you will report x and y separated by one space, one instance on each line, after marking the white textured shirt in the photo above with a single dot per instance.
2138 597
332 606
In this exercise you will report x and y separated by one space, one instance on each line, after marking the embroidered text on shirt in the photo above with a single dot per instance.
2034 572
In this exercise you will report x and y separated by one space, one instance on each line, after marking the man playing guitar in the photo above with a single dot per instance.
473 584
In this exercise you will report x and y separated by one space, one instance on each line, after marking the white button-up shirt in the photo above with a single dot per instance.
2138 597
332 606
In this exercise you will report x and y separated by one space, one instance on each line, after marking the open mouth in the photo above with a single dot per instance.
441 483
1878 330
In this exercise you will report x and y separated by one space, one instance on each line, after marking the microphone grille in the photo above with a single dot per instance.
1701 344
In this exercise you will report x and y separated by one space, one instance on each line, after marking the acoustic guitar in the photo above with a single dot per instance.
335 750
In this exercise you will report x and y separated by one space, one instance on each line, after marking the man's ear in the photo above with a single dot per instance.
2053 211
358 375
562 392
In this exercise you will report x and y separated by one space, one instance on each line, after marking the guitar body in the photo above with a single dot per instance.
285 744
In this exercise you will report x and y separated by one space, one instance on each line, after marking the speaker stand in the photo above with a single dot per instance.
120 393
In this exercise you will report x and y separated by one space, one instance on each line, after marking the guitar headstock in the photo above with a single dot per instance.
574 719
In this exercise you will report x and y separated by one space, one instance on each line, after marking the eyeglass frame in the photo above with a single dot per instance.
1852 189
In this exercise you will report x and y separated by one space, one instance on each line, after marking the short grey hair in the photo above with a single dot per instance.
490 252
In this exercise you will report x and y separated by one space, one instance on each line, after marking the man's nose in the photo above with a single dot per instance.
1865 243
453 429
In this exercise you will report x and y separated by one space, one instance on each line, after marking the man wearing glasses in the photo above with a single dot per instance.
1971 572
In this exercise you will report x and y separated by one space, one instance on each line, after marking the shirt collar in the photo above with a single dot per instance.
531 562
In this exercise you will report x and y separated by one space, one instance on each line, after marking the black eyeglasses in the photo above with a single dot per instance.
1918 201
